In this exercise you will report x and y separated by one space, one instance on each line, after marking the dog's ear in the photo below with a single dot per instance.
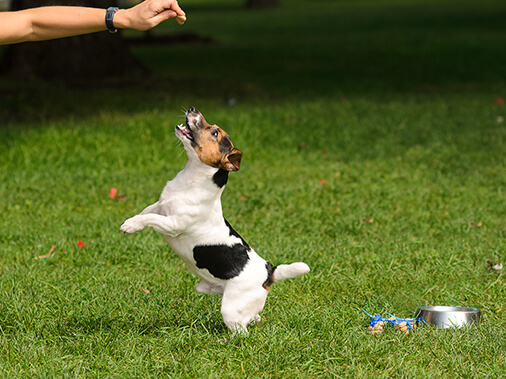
232 160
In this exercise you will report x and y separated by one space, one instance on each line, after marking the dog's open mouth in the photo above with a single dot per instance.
185 131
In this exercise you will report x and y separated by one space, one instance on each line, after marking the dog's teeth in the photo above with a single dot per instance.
186 131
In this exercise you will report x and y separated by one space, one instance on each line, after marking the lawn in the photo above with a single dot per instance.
373 140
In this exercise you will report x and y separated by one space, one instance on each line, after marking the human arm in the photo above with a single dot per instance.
45 23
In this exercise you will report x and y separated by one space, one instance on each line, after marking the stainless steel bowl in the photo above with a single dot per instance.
449 317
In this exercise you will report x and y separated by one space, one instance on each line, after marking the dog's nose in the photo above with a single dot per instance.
192 110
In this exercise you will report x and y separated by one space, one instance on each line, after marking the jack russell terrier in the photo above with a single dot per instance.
189 216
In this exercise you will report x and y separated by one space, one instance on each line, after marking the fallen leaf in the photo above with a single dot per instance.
146 291
81 244
113 192
367 220
242 198
323 182
48 255
499 100
475 225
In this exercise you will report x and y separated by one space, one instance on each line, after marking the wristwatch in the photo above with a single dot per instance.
109 17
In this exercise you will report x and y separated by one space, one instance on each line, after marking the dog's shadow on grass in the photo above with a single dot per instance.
160 327
145 326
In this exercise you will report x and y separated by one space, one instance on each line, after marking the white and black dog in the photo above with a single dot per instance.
189 215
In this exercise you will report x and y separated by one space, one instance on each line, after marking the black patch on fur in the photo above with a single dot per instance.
232 232
222 261
225 145
220 178
270 275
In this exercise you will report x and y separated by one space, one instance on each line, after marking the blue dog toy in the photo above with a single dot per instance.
378 322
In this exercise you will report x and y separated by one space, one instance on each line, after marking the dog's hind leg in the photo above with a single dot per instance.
241 306
205 287
256 320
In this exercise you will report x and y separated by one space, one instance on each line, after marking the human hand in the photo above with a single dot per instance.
147 15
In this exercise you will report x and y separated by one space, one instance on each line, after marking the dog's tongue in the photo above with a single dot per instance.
187 132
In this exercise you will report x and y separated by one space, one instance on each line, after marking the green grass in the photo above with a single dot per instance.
372 151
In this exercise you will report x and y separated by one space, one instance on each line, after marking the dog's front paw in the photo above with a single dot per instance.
131 225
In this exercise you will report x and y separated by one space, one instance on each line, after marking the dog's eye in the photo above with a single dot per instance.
214 133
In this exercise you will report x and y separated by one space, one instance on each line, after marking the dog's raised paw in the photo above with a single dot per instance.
130 226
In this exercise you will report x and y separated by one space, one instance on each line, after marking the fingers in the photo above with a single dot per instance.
163 16
171 9
175 7
148 14
172 5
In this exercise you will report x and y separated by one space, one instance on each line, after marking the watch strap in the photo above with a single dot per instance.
109 17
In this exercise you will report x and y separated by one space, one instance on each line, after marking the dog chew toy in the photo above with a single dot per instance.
404 325
180 19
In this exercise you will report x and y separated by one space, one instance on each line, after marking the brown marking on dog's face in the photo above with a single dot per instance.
211 143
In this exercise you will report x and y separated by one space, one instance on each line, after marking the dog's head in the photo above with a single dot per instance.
211 144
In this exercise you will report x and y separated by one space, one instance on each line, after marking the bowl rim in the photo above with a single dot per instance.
447 309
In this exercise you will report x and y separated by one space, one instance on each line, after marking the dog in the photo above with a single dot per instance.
190 217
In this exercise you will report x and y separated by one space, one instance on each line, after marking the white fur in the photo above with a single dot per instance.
188 214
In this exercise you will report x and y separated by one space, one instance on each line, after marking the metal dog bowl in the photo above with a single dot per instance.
449 317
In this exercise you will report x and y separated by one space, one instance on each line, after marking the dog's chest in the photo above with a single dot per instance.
209 245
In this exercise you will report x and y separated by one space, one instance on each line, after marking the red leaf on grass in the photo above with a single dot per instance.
113 192
499 100
81 243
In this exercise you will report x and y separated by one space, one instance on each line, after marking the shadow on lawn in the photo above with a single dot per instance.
146 326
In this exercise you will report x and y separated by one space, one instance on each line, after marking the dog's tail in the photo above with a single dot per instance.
289 271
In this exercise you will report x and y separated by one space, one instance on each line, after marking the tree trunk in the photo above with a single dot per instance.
97 55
